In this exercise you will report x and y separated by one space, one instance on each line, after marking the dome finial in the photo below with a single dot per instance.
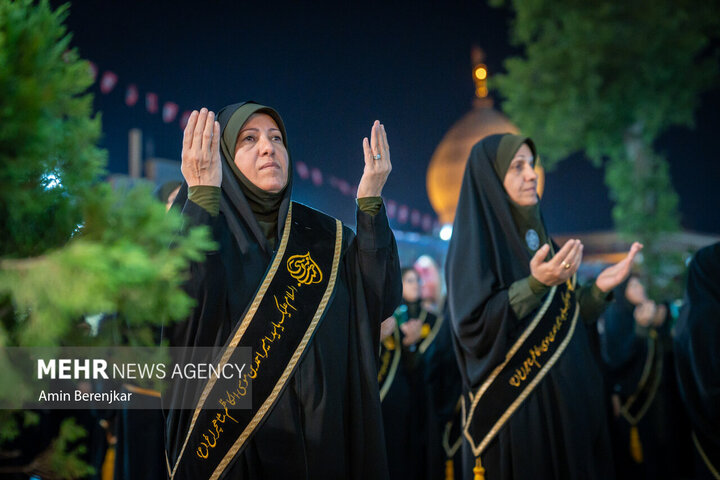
480 76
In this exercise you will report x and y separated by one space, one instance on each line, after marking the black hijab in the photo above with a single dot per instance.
245 205
487 253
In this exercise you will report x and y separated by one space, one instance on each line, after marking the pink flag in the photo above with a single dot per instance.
108 81
427 222
403 213
131 95
303 170
170 110
151 102
317 177
415 218
344 187
391 208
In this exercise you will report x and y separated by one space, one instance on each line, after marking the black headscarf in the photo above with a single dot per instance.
245 205
487 254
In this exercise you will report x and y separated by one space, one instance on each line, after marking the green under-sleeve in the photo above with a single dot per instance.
207 196
592 301
370 205
526 295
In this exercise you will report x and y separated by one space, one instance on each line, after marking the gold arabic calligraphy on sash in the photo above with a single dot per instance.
537 351
305 271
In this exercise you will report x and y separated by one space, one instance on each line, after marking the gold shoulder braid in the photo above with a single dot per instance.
526 364
278 326
452 438
390 353
430 331
638 403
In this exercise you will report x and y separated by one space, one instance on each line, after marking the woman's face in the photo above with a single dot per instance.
411 286
521 180
260 153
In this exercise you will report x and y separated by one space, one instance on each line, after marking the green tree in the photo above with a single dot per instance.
607 78
71 246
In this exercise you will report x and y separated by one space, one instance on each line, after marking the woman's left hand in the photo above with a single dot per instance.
377 163
614 275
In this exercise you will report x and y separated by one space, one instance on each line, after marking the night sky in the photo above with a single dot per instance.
330 69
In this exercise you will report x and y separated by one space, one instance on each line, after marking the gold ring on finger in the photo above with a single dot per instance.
566 265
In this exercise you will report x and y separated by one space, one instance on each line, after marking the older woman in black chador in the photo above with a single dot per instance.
533 400
297 287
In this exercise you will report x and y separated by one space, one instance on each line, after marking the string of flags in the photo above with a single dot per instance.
401 213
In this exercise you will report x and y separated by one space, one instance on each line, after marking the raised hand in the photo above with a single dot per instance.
645 313
614 275
201 152
559 268
377 162
412 331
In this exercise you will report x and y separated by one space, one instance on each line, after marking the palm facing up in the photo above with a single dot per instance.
614 275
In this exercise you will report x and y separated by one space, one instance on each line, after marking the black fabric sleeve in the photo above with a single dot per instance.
379 264
205 285
593 302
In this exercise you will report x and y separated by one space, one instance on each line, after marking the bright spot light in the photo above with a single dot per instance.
446 232
481 73
51 181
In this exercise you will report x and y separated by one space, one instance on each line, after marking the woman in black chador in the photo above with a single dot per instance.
410 426
697 359
533 394
305 293
647 425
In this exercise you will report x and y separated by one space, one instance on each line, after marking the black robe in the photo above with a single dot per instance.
408 418
697 361
662 429
560 430
444 388
404 411
327 422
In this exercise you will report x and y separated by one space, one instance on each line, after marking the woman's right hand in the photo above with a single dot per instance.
387 327
559 268
201 152
645 313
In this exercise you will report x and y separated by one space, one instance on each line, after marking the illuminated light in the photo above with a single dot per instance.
481 73
51 181
481 92
446 232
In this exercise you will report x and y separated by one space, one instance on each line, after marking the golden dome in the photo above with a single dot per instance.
447 165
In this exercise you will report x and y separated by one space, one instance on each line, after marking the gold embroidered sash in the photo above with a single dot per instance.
390 353
278 325
638 403
526 363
